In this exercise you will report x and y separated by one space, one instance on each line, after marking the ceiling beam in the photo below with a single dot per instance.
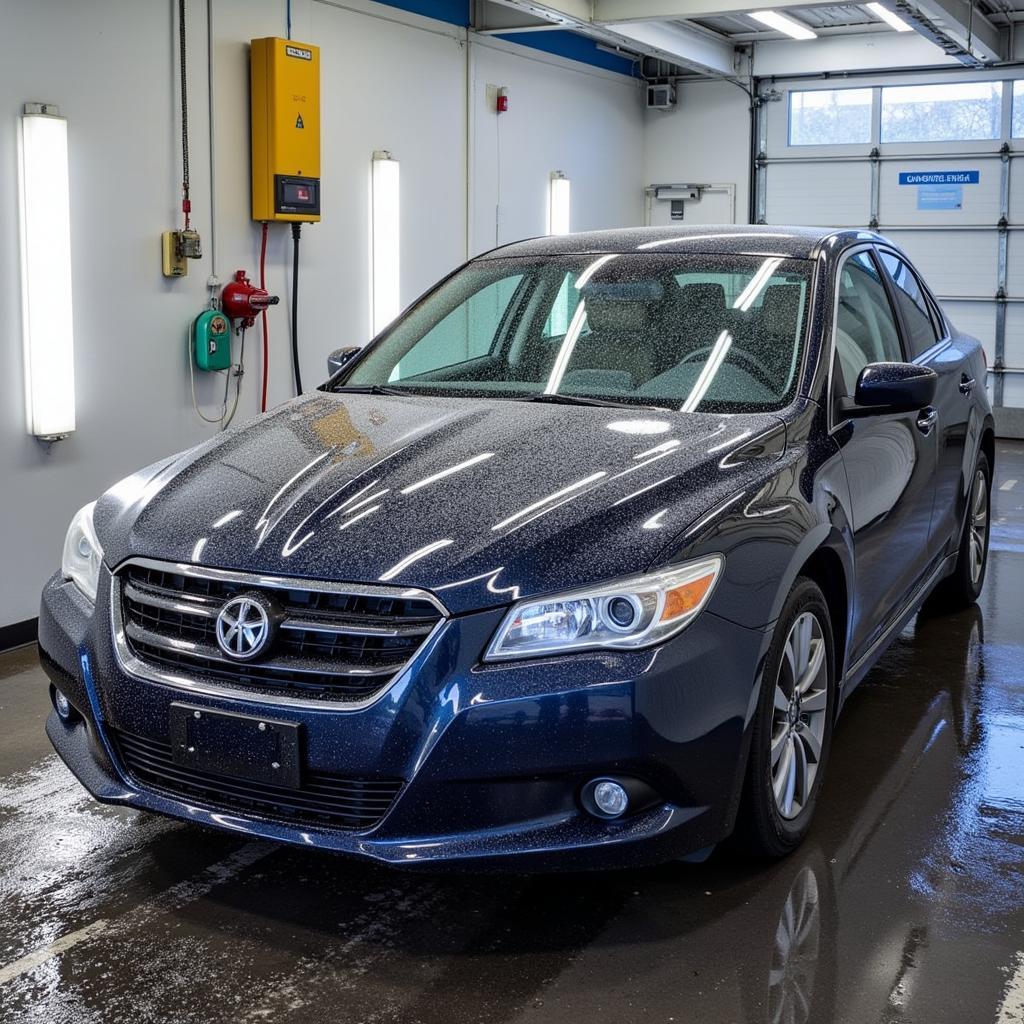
679 44
606 12
955 26
693 49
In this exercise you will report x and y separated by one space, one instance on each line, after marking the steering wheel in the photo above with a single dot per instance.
757 371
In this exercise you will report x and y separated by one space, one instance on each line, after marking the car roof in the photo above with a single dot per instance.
748 239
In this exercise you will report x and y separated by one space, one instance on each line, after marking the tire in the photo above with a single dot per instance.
791 739
963 586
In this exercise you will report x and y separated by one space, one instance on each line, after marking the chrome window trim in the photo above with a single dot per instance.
202 687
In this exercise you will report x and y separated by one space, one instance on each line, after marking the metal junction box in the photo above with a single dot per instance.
285 79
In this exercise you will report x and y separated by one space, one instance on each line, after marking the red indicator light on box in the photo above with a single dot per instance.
302 194
502 101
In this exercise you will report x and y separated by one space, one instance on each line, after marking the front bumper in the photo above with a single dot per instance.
492 756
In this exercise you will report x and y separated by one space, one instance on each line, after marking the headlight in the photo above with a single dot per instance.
82 556
630 613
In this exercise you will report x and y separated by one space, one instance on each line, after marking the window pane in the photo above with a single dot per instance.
694 333
467 332
1018 110
829 117
865 328
912 303
941 113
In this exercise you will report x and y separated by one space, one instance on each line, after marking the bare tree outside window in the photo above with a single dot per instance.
829 117
951 112
1018 110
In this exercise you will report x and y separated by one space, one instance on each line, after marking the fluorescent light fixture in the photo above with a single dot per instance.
47 329
890 17
559 200
781 23
384 241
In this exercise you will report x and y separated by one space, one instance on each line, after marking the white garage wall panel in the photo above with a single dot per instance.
836 195
389 80
704 139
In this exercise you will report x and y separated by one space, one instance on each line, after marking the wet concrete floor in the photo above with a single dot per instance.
905 905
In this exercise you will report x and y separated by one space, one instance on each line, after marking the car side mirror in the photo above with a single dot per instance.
339 357
892 387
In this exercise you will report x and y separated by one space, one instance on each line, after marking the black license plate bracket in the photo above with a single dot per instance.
241 746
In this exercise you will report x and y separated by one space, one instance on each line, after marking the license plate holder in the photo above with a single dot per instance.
241 746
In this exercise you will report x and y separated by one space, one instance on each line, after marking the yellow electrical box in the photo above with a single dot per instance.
285 130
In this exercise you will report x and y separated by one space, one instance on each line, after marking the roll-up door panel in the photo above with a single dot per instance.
952 262
977 319
829 194
1017 189
898 204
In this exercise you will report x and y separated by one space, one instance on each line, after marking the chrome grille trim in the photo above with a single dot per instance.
204 609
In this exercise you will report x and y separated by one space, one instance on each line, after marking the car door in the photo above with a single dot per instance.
889 458
927 336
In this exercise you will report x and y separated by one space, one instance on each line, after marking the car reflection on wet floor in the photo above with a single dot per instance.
905 904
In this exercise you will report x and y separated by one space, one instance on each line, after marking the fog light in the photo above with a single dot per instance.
62 704
610 799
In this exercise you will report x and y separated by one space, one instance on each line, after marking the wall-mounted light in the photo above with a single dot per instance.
559 201
384 241
44 192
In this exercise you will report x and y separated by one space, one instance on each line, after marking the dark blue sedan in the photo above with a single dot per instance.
573 566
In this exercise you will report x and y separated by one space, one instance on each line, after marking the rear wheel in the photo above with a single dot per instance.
963 587
793 728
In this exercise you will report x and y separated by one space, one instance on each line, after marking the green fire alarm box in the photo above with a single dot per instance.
211 340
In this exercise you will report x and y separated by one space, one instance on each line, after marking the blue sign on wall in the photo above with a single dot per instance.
940 177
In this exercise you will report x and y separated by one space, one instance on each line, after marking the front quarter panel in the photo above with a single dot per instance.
771 528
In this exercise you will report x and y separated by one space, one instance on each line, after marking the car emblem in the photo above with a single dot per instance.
243 627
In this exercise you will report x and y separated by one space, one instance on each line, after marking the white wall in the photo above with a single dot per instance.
704 139
389 81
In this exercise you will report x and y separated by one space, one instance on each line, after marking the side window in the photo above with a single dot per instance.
913 304
468 332
865 326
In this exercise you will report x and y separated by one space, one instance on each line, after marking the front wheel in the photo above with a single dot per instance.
793 727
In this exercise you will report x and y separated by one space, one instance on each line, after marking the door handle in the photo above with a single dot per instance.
966 384
926 419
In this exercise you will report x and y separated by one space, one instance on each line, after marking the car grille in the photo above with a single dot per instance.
332 643
325 800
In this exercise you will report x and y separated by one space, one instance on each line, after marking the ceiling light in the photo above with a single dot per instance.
781 23
46 273
890 17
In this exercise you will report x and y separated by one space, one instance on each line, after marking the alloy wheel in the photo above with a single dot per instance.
978 526
798 715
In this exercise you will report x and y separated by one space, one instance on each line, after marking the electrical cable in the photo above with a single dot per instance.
288 16
186 203
296 232
263 317
239 372
192 381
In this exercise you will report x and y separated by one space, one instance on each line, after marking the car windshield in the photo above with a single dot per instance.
700 332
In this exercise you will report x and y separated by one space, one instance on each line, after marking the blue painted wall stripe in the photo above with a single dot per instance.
560 43
563 43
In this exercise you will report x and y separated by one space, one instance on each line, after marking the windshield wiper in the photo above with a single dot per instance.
370 389
557 399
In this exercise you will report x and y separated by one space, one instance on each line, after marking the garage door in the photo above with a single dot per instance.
935 164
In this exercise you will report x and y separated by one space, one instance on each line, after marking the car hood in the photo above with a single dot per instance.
481 501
